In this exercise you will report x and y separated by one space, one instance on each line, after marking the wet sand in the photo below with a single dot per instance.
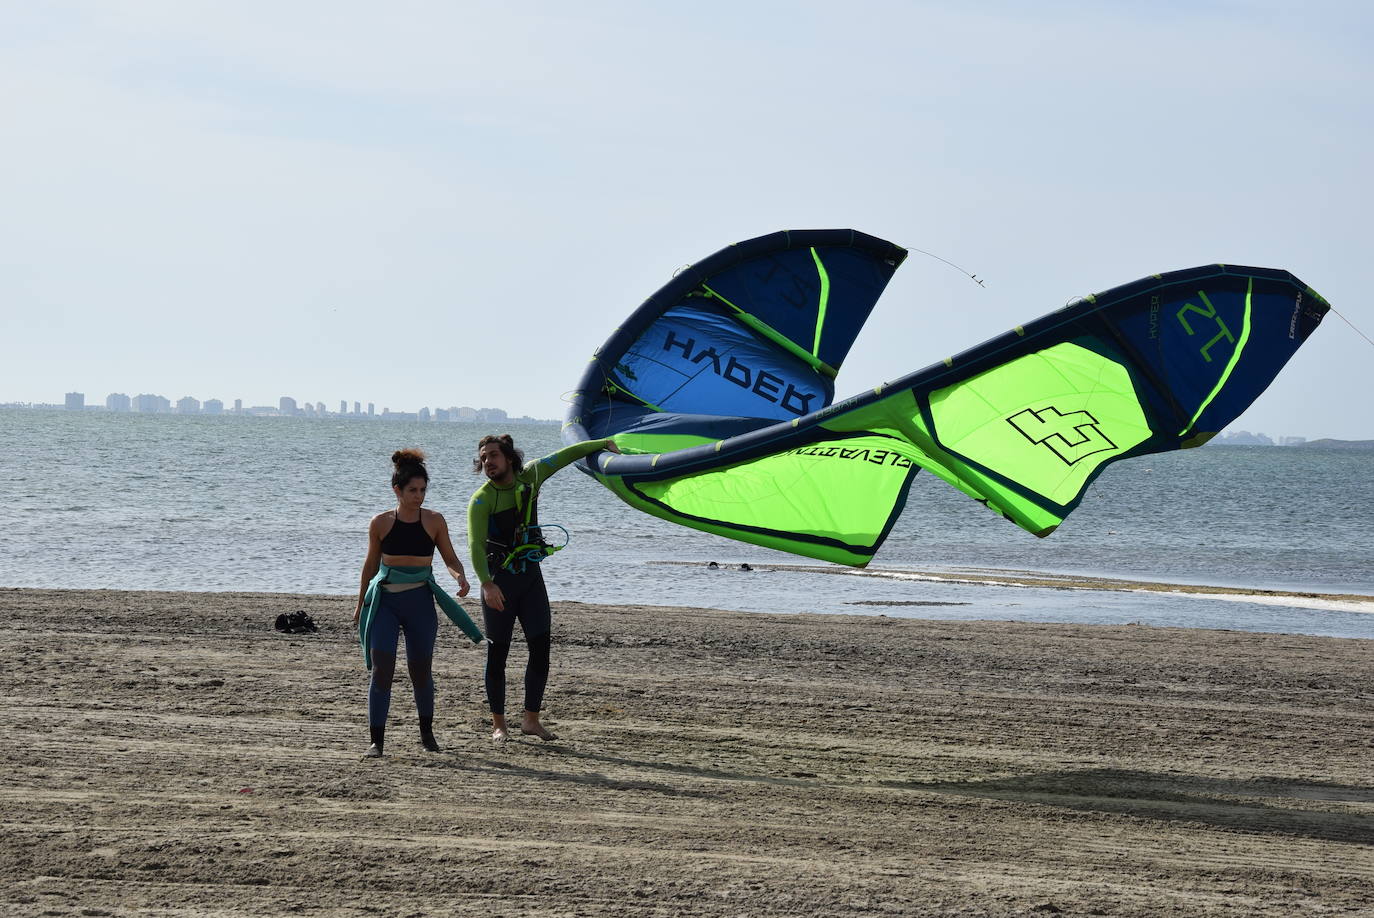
1345 602
170 754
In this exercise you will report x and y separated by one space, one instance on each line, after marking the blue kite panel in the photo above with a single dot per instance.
696 361
784 289
613 416
1191 338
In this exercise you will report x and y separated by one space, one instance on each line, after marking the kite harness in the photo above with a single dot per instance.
533 547
529 545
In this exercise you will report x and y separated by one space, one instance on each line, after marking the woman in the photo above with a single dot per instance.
398 593
502 516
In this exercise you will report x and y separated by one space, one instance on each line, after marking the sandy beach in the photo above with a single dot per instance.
171 754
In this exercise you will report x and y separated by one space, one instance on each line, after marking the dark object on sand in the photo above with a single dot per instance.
295 623
745 567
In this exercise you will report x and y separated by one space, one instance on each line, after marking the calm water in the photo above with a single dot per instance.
93 500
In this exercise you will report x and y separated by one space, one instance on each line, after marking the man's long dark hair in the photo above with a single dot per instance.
514 456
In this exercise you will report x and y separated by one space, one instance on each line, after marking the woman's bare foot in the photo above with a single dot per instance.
530 726
499 732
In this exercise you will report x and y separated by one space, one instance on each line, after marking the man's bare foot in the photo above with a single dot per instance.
500 735
535 728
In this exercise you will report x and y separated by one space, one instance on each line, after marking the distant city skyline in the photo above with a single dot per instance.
287 406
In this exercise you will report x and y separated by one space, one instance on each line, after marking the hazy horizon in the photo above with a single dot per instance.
443 198
410 414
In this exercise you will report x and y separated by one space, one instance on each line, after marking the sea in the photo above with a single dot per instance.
95 500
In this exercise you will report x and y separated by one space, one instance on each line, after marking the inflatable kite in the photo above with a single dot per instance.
719 390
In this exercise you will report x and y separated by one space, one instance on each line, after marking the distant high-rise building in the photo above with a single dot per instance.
287 406
467 414
424 414
117 401
151 404
441 414
238 406
1244 438
371 409
76 401
319 408
357 409
212 406
343 407
188 405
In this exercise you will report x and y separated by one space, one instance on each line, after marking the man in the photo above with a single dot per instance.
503 530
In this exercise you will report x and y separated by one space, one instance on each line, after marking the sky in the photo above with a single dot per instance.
449 203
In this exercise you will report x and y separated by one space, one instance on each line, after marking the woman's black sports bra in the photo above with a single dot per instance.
407 538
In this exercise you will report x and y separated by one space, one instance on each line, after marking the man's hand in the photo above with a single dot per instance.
493 597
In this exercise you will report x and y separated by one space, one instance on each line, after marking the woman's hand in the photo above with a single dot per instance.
492 596
356 614
463 586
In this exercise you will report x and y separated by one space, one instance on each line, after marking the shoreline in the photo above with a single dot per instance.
1360 603
172 754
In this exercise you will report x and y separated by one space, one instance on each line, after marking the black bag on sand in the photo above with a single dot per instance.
295 623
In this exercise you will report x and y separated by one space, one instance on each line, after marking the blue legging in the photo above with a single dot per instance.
410 612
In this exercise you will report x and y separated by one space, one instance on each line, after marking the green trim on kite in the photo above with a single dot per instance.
1235 354
639 443
612 387
777 337
825 301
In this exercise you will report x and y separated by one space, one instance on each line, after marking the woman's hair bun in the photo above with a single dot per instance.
409 456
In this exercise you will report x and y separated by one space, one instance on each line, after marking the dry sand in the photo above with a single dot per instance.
170 754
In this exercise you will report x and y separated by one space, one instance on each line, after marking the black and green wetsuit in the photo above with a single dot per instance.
498 522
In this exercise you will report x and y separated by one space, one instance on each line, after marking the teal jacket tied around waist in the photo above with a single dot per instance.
372 599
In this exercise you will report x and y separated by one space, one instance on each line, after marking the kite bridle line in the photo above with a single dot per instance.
1351 324
971 276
